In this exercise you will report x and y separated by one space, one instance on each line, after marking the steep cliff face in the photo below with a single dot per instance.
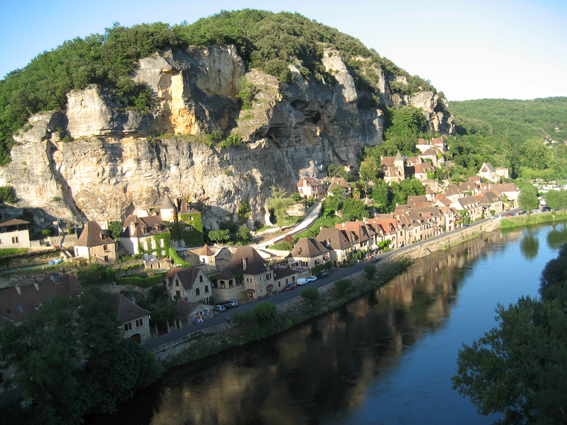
121 159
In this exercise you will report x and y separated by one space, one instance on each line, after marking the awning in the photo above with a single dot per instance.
251 290
270 286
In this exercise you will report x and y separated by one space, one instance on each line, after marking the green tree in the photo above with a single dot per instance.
243 211
343 287
244 236
528 199
370 271
354 209
219 235
311 295
265 313
115 228
7 195
553 278
518 368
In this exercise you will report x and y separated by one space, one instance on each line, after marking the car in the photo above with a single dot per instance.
302 281
311 279
322 275
220 307
289 287
230 303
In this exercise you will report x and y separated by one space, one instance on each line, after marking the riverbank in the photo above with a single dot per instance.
528 220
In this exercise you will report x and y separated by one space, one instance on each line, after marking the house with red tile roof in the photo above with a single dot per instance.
311 187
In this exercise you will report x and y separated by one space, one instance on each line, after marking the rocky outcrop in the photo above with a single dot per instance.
121 159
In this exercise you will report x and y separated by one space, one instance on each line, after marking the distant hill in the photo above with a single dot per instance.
514 120
517 134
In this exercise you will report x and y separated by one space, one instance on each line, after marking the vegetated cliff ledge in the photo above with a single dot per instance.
98 161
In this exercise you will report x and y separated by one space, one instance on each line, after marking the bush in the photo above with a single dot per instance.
8 195
12 251
370 270
311 295
244 317
141 282
343 287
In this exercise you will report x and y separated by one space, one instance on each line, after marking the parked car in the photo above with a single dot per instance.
220 307
231 303
322 275
311 279
290 287
302 281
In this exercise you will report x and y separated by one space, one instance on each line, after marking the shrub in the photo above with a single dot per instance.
311 295
8 195
140 281
244 317
343 287
12 251
370 270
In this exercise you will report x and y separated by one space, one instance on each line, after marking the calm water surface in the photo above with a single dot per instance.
386 358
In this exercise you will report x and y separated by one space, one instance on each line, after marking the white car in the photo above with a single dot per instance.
302 281
311 279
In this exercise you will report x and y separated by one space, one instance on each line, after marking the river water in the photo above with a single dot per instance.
385 358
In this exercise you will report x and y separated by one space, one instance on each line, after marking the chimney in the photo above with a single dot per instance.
19 289
244 261
132 229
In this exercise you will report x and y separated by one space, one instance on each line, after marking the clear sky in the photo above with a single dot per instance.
469 49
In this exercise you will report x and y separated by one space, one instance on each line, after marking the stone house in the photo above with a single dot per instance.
394 168
147 235
434 155
188 284
283 277
248 265
309 252
310 187
134 320
95 243
340 182
470 205
358 234
488 172
503 172
337 242
507 190
490 201
421 171
452 192
14 233
388 227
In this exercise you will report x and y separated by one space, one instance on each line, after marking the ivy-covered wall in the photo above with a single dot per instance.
182 229
166 237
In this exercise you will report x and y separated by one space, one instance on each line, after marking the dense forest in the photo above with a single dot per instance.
517 134
265 40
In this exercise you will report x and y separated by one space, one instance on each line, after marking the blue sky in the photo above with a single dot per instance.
468 49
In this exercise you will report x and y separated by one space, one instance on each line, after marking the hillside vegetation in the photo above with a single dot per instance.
511 133
265 40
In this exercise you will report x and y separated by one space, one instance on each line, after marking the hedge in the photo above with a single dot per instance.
12 251
140 281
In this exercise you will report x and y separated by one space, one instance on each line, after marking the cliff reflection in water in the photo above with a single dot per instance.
320 369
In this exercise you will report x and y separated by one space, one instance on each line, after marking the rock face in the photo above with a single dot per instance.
120 160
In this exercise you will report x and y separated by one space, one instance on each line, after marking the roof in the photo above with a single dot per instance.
166 204
309 181
246 260
125 309
23 301
488 166
144 226
93 235
225 274
206 251
186 208
333 238
431 152
12 222
424 167
308 248
504 187
187 276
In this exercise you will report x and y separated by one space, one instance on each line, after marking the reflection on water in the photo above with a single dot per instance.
386 357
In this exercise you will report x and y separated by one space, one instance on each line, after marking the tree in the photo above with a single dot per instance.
244 236
265 313
343 287
243 212
7 195
311 295
370 270
354 209
47 348
219 235
518 368
553 279
528 199
115 228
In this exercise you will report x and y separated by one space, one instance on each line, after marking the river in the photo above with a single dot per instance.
385 358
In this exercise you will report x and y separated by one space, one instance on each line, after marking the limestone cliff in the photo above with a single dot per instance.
120 159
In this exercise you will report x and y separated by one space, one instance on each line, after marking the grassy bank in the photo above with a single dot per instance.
244 333
526 220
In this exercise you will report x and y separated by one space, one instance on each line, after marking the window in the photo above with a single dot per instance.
105 247
178 293
106 258
176 283
206 288
16 239
127 326
197 291
20 309
268 276
9 310
200 278
161 243
139 323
